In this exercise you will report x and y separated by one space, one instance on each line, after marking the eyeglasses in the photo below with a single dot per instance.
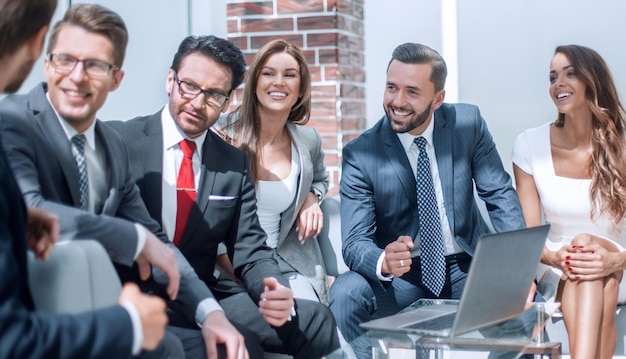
190 91
66 63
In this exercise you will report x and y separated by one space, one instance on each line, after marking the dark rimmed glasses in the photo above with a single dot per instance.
65 63
190 91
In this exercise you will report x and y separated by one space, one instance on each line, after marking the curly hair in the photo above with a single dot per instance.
608 165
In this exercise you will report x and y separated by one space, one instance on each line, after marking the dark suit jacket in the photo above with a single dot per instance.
25 333
40 156
212 220
378 194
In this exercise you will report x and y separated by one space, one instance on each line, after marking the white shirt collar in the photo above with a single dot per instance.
90 132
407 139
172 134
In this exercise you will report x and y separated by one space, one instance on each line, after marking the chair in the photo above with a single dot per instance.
330 238
78 277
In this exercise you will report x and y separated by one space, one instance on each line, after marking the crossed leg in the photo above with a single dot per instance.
588 308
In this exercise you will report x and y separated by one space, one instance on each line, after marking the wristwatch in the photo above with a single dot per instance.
320 196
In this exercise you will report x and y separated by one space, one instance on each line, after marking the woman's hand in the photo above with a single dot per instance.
590 262
310 218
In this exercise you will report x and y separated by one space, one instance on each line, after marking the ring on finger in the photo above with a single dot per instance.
401 263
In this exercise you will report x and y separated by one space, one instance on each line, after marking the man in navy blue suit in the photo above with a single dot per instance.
383 227
114 332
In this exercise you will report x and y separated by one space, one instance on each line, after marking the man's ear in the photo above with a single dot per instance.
226 105
35 44
439 97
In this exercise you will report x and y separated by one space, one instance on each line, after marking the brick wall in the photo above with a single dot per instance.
330 33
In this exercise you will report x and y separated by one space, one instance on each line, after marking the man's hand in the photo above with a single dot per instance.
216 329
310 218
276 302
151 311
398 256
42 232
158 254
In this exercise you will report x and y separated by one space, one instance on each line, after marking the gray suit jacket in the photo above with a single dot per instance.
305 258
378 194
39 154
224 211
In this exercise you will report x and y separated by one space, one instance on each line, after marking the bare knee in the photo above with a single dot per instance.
582 239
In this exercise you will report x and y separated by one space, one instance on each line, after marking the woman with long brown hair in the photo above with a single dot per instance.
286 160
573 172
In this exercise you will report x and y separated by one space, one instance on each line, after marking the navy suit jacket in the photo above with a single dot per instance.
26 333
225 207
378 188
40 156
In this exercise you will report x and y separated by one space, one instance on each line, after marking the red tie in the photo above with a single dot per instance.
185 189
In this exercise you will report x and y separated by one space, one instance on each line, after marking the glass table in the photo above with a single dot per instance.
521 336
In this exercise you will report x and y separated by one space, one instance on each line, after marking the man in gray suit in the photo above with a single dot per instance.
111 332
204 73
400 214
71 164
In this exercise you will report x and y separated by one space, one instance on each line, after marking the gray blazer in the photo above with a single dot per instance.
305 258
40 156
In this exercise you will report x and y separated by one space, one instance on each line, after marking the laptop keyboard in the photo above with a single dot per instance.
435 324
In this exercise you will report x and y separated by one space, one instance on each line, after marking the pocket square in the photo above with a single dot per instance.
214 197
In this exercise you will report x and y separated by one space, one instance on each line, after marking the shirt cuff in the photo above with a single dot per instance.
205 308
136 321
141 238
379 269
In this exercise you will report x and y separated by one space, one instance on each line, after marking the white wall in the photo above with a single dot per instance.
504 52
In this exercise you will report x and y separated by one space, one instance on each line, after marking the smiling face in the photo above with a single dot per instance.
410 97
75 95
566 89
195 116
278 84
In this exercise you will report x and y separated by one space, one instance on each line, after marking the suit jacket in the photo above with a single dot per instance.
25 333
225 207
305 258
378 188
40 156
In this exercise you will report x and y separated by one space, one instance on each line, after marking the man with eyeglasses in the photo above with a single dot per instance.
197 186
75 166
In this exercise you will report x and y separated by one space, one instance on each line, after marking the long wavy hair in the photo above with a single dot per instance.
242 129
608 165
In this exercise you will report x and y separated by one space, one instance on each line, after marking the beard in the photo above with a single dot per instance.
20 76
412 123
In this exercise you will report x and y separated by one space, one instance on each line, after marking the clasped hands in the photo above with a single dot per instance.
398 256
588 262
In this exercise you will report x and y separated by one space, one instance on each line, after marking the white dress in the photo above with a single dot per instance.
565 201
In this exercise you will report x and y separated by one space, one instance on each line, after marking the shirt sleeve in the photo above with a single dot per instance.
137 329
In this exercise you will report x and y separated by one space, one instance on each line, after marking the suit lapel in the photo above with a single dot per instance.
47 119
442 139
398 160
152 162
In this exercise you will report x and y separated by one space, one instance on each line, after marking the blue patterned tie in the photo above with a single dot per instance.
79 155
432 257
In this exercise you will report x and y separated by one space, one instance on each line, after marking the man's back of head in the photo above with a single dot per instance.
21 22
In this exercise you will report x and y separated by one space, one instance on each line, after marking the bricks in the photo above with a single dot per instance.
330 34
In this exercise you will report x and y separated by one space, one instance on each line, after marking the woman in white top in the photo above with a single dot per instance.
287 162
574 172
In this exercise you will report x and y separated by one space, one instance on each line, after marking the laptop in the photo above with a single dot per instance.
499 279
